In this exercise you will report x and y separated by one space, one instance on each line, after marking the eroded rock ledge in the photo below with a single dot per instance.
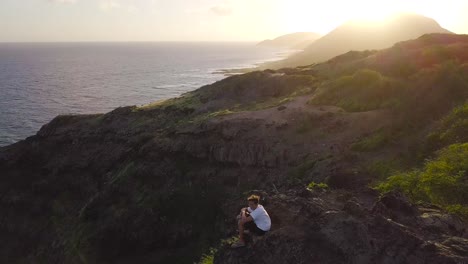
339 227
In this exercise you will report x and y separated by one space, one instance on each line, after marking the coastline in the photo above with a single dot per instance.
104 89
260 65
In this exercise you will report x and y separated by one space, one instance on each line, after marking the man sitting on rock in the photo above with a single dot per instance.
254 219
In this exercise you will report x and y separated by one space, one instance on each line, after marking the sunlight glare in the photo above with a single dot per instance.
304 15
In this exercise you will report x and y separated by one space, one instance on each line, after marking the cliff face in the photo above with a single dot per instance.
161 183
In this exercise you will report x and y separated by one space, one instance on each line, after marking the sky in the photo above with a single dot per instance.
202 20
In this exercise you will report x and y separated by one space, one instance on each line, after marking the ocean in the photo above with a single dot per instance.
39 81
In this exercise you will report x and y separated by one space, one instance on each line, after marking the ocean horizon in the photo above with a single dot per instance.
41 80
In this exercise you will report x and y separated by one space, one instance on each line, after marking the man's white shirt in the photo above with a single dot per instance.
260 217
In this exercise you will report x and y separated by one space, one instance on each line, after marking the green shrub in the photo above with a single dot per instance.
445 179
381 169
453 129
208 258
314 185
441 88
458 209
363 91
371 143
442 181
406 182
300 81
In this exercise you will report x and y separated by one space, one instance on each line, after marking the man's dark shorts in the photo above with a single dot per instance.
252 227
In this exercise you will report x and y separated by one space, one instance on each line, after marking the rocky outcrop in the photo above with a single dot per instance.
338 227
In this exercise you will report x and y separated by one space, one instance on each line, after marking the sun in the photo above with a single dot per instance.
323 16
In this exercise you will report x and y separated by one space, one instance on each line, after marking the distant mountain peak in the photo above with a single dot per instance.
359 36
298 40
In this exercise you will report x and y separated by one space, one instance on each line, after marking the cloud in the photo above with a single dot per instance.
63 1
221 10
109 4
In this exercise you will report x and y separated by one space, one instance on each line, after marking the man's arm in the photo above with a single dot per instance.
244 217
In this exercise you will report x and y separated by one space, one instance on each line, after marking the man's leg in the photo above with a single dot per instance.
241 231
241 242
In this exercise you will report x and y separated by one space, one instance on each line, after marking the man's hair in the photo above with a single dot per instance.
254 198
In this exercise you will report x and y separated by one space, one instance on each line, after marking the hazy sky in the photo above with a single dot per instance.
201 20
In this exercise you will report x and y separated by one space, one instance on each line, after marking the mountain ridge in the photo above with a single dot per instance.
359 37
298 40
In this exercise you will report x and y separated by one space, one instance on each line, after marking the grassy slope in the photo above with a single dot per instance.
421 82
